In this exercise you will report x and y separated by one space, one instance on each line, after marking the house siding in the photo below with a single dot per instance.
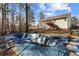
62 23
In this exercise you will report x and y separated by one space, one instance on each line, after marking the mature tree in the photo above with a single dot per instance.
41 14
13 17
29 16
8 14
20 10
27 8
3 17
42 17
7 19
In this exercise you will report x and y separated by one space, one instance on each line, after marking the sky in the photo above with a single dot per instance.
53 9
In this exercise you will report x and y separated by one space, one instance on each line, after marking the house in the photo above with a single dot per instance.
57 22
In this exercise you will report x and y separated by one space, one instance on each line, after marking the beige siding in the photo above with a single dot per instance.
62 23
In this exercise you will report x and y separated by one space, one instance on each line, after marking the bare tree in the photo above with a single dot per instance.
27 8
41 14
12 20
3 19
7 19
42 17
29 16
8 14
20 19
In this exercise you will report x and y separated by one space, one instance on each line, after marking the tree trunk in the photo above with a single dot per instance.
3 19
20 17
12 21
7 22
27 8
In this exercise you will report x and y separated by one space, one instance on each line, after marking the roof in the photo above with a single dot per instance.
59 17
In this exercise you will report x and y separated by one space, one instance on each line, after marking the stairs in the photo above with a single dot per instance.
53 26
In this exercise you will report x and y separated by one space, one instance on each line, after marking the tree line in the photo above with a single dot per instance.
15 17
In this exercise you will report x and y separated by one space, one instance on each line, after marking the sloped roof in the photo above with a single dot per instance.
59 17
